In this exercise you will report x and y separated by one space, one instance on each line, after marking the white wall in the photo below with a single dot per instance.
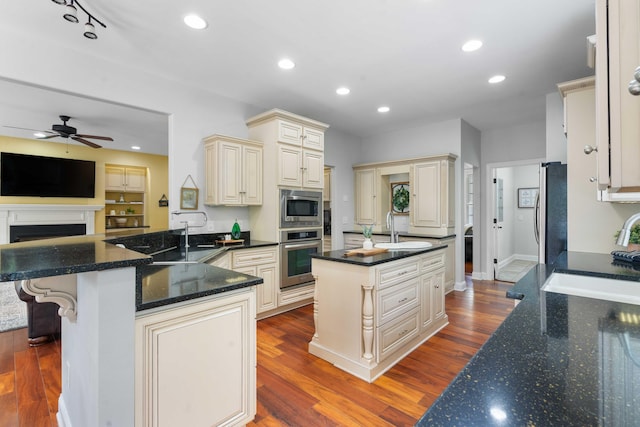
471 154
556 142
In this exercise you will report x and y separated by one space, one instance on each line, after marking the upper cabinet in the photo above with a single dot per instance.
127 179
233 169
297 144
617 110
431 188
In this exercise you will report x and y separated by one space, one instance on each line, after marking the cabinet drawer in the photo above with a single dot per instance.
244 258
397 300
433 262
396 333
392 274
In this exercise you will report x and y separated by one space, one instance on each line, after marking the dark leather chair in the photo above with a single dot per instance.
43 321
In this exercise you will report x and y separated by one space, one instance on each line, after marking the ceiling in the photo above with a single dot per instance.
405 54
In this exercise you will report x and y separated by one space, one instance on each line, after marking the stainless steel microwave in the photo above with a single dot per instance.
300 208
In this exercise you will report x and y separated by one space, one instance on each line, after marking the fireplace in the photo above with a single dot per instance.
23 233
45 221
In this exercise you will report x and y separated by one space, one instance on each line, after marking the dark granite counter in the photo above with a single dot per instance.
167 284
340 256
402 234
555 360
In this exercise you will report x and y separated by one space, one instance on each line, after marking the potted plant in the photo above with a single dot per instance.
634 238
367 232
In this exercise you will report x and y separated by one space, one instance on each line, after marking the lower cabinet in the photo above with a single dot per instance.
261 262
367 318
450 251
195 363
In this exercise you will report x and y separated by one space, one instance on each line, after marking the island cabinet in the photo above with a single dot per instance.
617 110
196 362
295 144
450 253
233 169
369 314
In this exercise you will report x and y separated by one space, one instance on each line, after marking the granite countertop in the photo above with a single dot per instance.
340 256
560 360
402 234
162 285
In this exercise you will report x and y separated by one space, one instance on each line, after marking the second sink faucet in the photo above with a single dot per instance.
625 233
391 227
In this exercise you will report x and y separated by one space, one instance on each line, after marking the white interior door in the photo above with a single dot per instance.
498 220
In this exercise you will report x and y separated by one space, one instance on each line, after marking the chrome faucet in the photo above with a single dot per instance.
186 233
186 224
391 227
625 233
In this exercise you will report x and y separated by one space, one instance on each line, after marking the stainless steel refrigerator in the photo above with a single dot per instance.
551 212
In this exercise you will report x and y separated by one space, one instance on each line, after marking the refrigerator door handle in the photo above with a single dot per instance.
536 219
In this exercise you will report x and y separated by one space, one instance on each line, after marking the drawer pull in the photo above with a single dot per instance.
402 273
403 300
403 332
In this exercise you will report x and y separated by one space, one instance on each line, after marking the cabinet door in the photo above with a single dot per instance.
619 41
366 196
290 133
266 293
229 170
437 296
252 176
114 178
135 179
426 209
313 172
215 385
290 166
313 139
326 194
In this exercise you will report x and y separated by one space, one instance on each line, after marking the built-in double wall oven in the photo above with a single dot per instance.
300 235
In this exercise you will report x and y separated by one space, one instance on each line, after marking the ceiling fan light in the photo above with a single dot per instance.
90 31
71 14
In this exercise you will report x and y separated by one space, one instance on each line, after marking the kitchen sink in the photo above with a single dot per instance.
625 291
403 246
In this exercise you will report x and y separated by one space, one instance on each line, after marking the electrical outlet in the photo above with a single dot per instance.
210 226
345 220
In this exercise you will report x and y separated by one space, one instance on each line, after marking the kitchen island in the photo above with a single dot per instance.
371 311
556 359
112 329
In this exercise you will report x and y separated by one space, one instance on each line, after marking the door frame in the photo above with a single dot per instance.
490 210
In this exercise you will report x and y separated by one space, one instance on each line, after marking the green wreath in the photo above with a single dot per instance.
401 199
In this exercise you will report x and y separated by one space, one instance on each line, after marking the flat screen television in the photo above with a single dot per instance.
27 175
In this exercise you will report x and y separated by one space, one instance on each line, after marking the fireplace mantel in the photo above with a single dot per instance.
42 214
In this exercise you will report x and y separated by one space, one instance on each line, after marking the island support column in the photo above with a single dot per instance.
98 352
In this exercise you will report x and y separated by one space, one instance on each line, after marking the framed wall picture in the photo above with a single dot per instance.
188 198
400 198
527 197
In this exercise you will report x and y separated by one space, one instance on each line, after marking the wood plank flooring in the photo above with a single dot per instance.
294 387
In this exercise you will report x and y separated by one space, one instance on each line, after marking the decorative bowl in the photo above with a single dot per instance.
121 222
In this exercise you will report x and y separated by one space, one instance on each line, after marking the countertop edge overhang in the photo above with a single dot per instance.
402 234
340 256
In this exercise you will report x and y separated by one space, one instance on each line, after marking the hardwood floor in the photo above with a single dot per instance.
294 387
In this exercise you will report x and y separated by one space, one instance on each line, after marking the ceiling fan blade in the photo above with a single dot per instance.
84 141
104 138
32 130
49 136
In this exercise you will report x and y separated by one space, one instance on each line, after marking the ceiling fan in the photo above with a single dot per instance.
65 131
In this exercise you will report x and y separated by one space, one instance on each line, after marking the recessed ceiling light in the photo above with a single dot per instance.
472 45
286 64
497 79
383 109
39 135
135 147
195 22
343 91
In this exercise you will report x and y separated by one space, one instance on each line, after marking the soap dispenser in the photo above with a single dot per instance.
235 230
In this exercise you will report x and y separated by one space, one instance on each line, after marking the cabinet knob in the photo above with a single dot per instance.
634 87
589 149
593 179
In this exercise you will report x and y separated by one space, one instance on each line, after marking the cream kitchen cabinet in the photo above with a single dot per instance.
368 317
326 194
432 186
450 252
195 364
295 144
617 110
298 167
368 205
124 178
233 169
260 262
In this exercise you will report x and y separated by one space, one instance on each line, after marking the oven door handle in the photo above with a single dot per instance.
301 245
